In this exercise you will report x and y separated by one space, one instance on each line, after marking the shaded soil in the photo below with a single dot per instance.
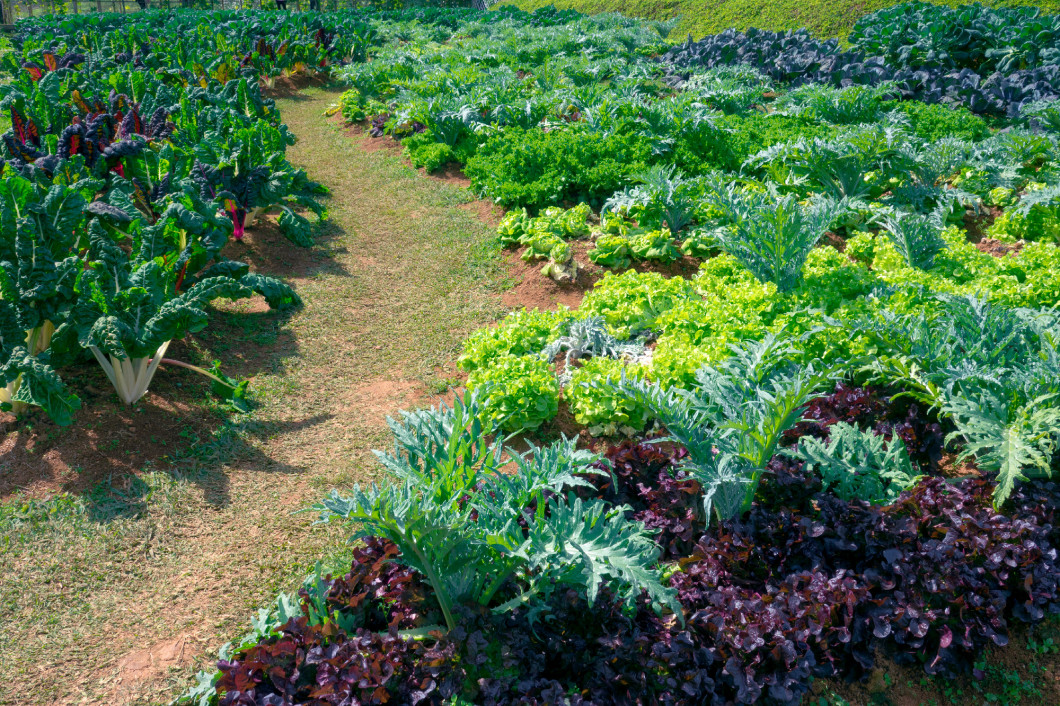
1008 668
978 223
291 86
107 438
266 250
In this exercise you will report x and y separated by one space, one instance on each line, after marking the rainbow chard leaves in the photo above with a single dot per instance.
128 314
252 176
26 378
38 274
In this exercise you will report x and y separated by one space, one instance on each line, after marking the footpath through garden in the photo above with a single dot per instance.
180 562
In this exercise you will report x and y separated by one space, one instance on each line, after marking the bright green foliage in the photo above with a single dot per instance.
755 132
27 379
597 403
514 226
858 465
523 332
1001 197
831 280
519 392
838 167
632 301
677 357
535 169
1035 218
733 90
455 518
700 242
423 151
932 122
839 106
995 371
128 314
654 246
612 251
1022 279
662 197
542 244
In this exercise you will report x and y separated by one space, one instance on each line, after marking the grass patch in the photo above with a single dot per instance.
99 584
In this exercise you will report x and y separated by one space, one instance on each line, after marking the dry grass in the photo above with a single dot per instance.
115 595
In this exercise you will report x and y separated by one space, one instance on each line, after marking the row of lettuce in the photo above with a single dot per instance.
842 427
587 111
139 148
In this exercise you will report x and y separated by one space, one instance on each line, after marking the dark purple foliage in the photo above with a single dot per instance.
879 411
323 665
661 496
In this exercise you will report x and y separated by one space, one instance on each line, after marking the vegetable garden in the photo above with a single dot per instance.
828 449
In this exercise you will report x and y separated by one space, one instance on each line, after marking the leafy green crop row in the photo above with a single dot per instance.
139 148
824 19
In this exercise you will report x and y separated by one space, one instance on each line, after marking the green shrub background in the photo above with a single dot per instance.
825 18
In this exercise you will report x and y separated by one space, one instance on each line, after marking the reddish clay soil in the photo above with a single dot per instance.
978 223
451 173
107 438
994 247
369 144
835 240
950 468
535 290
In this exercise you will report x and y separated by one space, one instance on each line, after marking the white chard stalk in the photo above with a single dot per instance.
253 216
7 394
37 341
130 376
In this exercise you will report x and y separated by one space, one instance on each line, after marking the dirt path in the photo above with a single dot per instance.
119 610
